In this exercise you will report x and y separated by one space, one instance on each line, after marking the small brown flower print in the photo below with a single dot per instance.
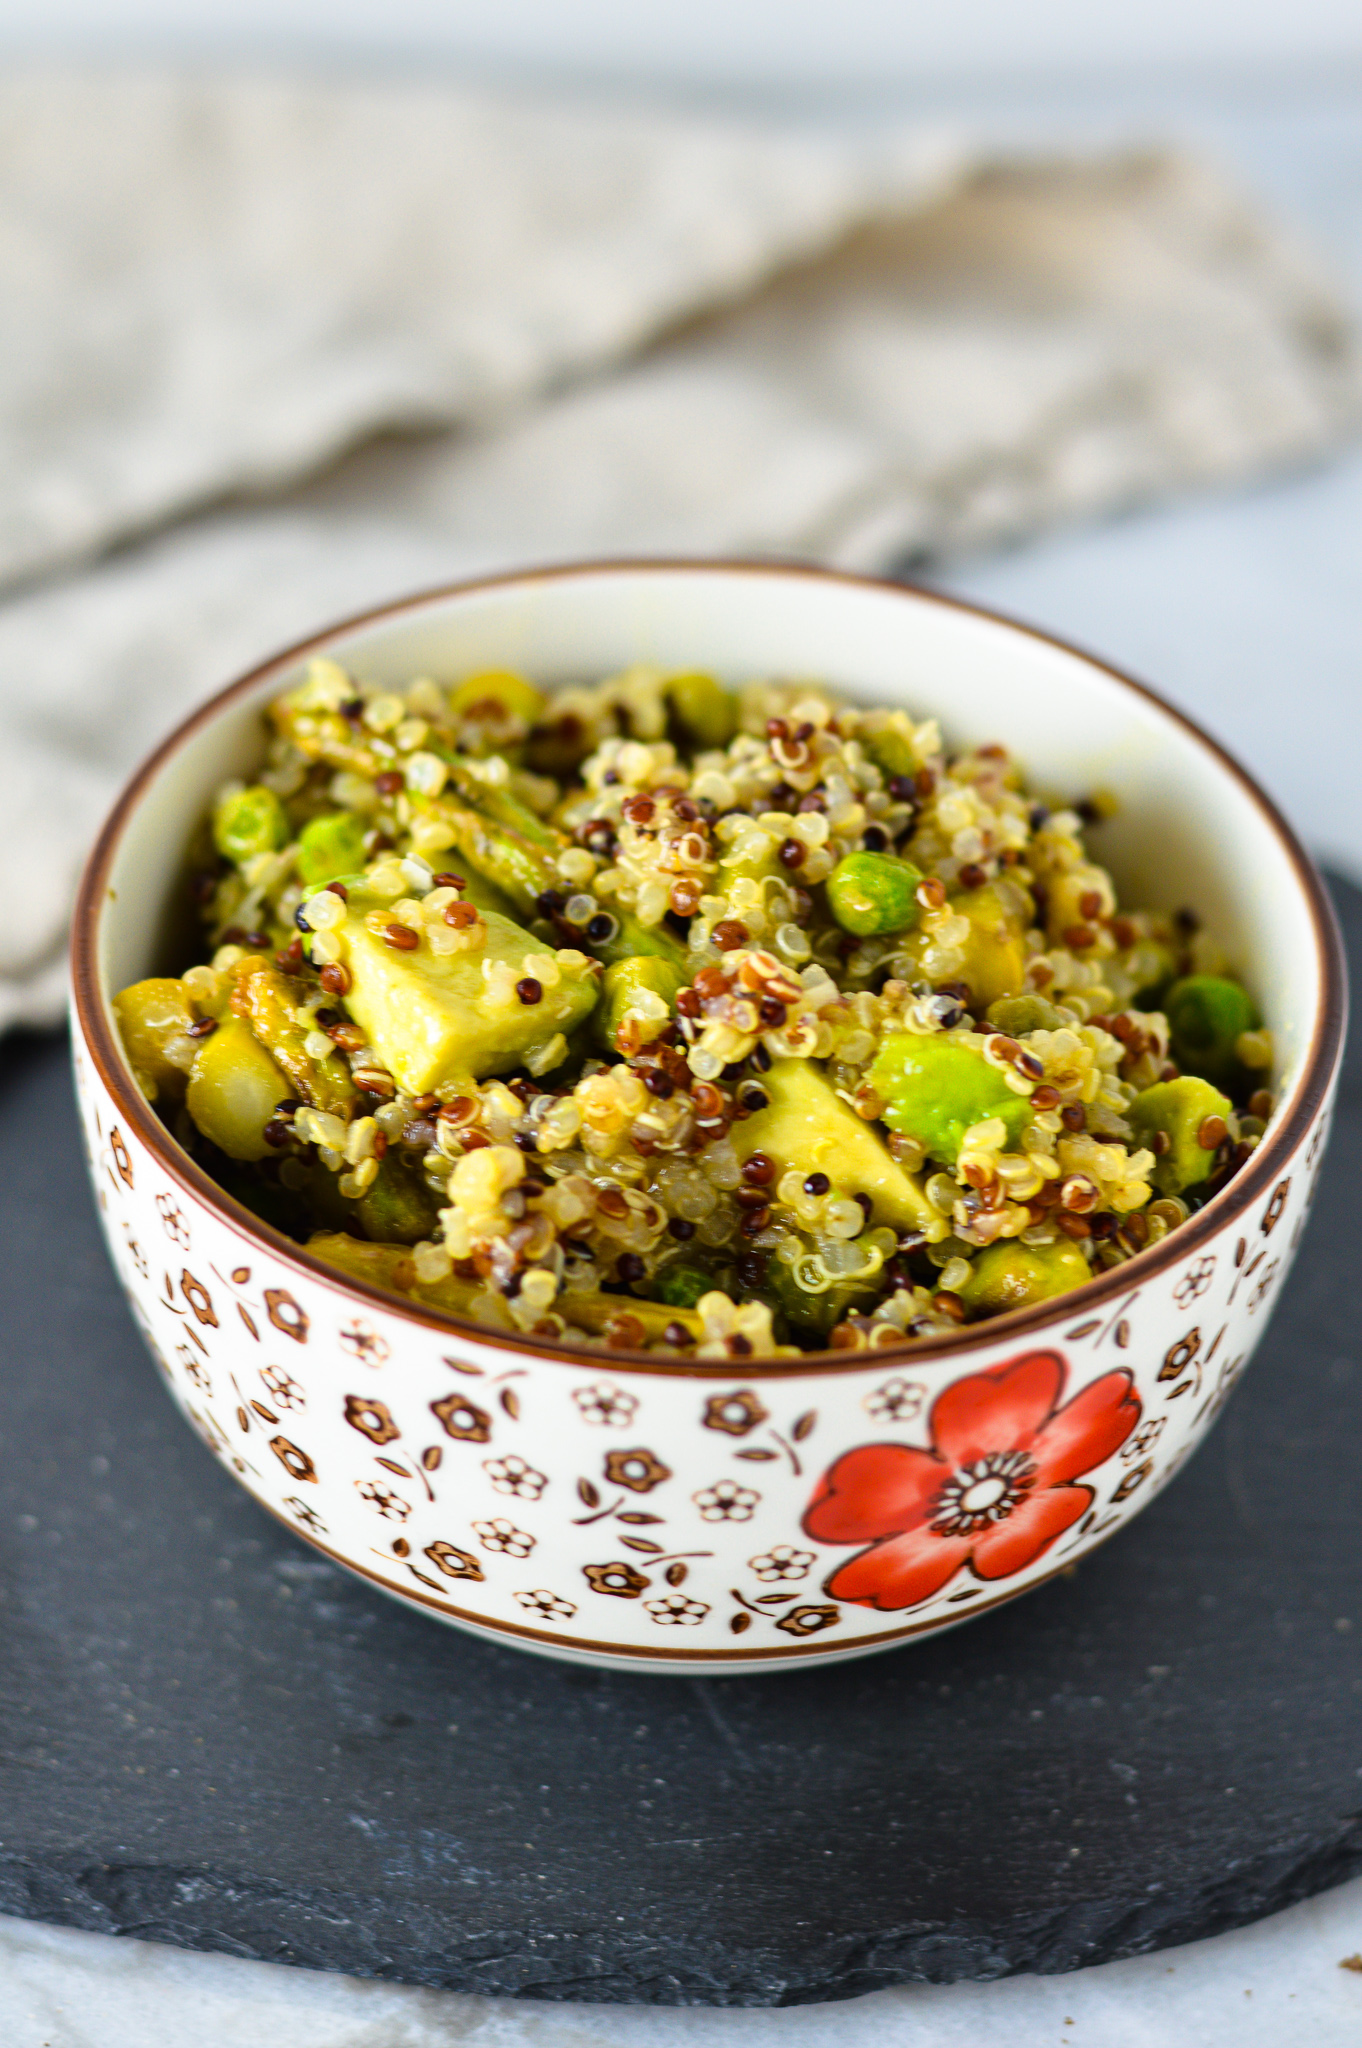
513 1475
548 1606
199 1299
606 1405
294 1460
285 1390
619 1578
136 1253
783 1561
726 1501
286 1315
1195 1281
676 1610
383 1500
1133 1480
301 1512
461 1418
364 1343
1179 1356
1272 1215
453 1562
195 1368
503 1536
371 1418
122 1158
172 1221
808 1621
895 1401
1144 1439
734 1413
1261 1286
639 1470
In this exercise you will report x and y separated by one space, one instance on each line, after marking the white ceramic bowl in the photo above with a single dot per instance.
621 1509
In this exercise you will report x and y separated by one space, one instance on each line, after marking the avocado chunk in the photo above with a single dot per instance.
807 1125
153 1019
1206 1013
994 962
1179 1109
1013 1275
432 1019
234 1089
935 1088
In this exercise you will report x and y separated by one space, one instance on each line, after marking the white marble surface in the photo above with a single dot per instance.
1248 610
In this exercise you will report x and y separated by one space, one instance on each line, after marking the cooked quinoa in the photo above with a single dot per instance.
656 1015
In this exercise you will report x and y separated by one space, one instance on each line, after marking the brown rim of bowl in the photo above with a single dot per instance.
1240 1193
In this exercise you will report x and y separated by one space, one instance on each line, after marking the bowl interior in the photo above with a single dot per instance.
1189 830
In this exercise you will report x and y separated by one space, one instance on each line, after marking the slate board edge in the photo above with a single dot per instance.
331 1931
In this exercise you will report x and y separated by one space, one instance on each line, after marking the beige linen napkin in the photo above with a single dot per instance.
546 329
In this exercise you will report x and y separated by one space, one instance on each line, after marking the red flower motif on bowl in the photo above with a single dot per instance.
994 1491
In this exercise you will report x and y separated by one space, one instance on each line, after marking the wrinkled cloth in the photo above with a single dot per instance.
271 352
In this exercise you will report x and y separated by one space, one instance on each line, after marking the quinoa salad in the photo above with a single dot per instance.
655 1014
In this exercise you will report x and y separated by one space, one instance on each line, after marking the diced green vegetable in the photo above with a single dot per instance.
1179 1109
681 1286
807 1125
871 893
637 985
234 1088
329 847
248 822
1012 1275
501 689
1016 1015
1206 1013
267 1000
811 1317
705 712
433 1018
594 1312
153 1018
400 1208
934 1089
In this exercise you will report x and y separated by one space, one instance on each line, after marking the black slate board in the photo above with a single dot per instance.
211 1737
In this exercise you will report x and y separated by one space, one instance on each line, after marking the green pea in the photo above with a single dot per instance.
706 713
681 1286
1206 1013
874 892
1179 1110
934 1089
330 847
248 822
1012 1275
